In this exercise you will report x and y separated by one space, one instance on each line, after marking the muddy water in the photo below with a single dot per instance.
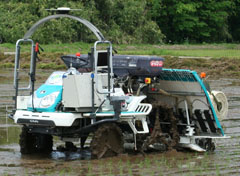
224 160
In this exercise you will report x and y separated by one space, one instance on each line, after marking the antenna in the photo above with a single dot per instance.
63 10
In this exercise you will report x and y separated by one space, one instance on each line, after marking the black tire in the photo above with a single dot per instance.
210 146
206 144
44 143
26 142
31 143
107 141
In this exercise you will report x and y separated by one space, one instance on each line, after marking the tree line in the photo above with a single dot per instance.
125 21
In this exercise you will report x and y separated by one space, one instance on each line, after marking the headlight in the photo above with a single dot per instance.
48 100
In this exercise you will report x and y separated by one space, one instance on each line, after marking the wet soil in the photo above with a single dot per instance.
214 68
223 161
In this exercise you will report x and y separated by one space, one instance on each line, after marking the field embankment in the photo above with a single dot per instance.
217 60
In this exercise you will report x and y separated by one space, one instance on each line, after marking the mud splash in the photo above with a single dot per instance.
223 161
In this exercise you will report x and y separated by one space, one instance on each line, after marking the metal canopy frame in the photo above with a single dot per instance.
93 28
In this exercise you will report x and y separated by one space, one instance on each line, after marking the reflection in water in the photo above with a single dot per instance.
225 159
67 156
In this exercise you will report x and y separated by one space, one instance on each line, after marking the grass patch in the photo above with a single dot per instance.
228 53
50 66
51 48
207 50
7 65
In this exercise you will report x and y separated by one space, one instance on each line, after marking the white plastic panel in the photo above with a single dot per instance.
22 102
77 91
59 119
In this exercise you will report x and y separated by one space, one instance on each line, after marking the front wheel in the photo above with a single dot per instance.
34 142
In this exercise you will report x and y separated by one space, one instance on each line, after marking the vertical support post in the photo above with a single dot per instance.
16 73
189 129
33 73
186 107
92 61
109 71
93 115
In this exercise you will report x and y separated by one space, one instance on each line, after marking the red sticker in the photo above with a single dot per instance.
155 63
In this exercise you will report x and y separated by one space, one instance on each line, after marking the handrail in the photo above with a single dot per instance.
17 64
110 68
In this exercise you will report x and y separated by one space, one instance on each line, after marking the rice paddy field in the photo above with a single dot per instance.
220 62
223 161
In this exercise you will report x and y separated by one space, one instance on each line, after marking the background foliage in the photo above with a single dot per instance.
125 21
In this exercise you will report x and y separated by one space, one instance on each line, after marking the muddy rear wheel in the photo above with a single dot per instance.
107 141
35 143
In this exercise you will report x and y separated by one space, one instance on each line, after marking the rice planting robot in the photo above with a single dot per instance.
123 102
